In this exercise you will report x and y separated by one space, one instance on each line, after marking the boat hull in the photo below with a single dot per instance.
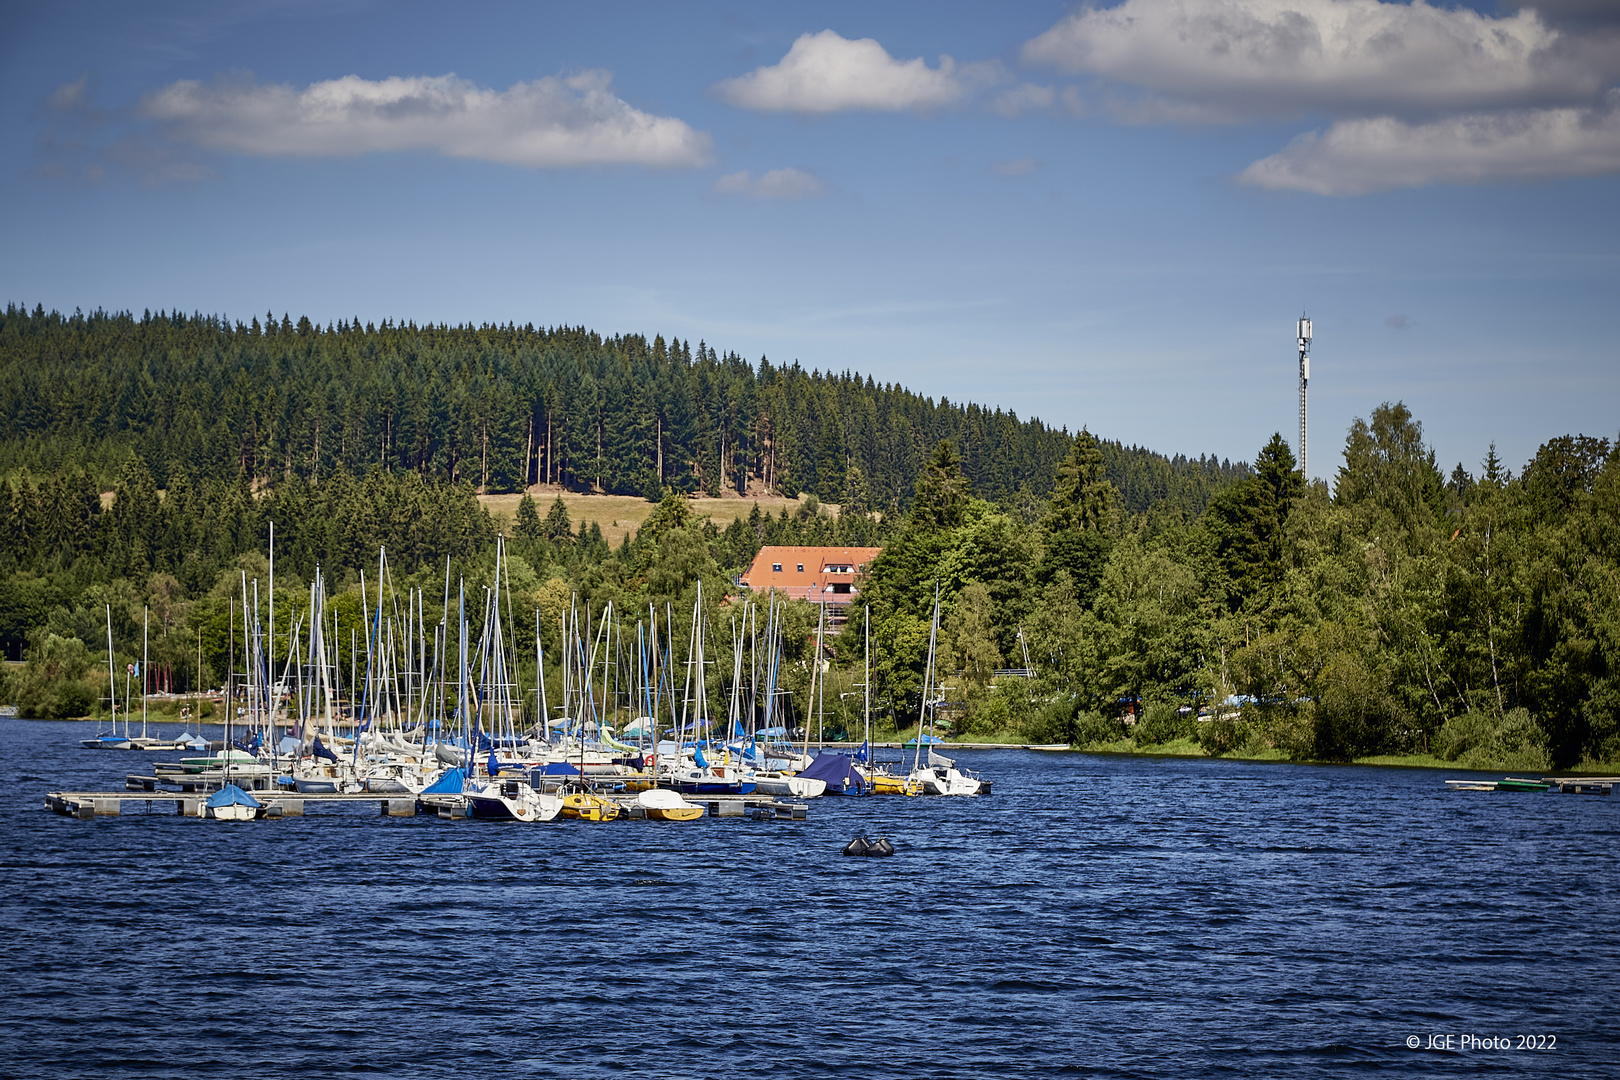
675 813
583 807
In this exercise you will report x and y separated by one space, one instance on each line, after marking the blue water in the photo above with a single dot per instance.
1102 916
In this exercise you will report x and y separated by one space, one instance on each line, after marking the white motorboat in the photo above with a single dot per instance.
945 780
511 800
772 782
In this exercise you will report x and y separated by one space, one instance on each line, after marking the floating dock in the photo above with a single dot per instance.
1564 785
191 803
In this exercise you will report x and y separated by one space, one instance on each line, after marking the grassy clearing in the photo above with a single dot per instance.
621 515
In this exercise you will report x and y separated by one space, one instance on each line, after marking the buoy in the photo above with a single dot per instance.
880 846
858 846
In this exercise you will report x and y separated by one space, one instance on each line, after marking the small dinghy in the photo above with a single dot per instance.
662 804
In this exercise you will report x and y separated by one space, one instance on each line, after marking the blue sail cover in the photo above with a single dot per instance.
447 784
319 750
838 770
231 795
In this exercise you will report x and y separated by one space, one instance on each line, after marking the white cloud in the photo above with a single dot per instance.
1354 157
1017 167
548 123
1276 58
826 73
70 96
1025 97
777 184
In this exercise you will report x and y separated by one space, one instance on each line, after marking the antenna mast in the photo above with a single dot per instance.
1304 335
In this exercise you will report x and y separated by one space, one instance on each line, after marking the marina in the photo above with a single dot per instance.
442 724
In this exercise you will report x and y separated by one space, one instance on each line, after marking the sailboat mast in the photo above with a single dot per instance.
866 688
928 676
146 658
112 679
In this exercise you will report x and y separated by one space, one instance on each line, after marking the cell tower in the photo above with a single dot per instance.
1304 329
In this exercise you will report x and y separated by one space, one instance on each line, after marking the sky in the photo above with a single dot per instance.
1105 215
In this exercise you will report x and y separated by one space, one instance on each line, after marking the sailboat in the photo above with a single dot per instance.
880 779
231 803
514 800
110 740
940 776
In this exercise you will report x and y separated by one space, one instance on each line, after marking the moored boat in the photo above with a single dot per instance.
662 804
231 803
772 782
584 806
512 800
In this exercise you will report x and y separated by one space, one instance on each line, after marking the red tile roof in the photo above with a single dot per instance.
810 573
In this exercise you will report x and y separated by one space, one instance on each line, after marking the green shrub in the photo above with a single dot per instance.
72 700
1484 740
1220 735
1162 723
1095 729
1053 722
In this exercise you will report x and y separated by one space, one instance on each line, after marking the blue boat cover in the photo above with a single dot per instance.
839 772
557 768
447 784
231 795
319 750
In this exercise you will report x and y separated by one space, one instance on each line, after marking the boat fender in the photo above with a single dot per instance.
857 846
880 846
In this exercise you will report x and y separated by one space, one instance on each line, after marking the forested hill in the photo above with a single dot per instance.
501 407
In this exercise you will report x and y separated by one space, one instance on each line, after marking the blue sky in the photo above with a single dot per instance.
1101 215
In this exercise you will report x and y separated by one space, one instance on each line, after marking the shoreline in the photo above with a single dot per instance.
1180 748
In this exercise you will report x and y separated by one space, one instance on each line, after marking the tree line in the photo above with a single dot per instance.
1471 618
502 408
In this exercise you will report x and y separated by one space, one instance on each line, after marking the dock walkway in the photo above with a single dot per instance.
192 803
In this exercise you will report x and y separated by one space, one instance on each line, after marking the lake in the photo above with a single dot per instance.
1104 916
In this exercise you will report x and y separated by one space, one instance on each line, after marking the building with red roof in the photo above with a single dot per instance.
821 575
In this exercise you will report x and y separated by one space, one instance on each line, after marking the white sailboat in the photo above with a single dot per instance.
940 776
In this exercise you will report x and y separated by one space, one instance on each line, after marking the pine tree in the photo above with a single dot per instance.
558 529
528 520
